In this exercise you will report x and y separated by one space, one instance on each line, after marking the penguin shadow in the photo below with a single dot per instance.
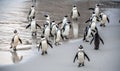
15 57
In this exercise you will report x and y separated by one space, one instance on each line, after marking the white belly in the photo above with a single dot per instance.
16 40
67 30
44 45
47 32
104 19
97 11
75 14
53 30
80 57
93 25
58 36
33 26
32 13
89 33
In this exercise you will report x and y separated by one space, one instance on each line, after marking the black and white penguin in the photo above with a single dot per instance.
15 57
104 19
64 21
80 56
34 26
66 30
97 40
96 10
53 28
44 45
47 21
58 36
88 32
15 41
31 14
75 13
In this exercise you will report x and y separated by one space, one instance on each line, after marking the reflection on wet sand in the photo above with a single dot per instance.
75 29
15 57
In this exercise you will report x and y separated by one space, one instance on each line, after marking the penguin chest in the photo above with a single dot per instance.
58 36
97 11
67 30
33 26
93 25
104 19
16 40
53 29
88 33
80 57
75 14
47 31
44 45
32 13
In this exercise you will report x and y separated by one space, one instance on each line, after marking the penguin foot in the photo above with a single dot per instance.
100 25
79 65
46 52
83 64
14 49
96 48
42 53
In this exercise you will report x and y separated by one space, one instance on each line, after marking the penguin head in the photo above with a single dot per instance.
80 47
42 36
101 13
97 5
74 7
15 31
53 21
66 16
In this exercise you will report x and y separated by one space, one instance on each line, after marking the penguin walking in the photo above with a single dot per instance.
31 14
104 19
44 45
15 57
75 13
15 41
33 25
66 30
97 40
88 32
96 10
80 56
53 28
64 21
58 36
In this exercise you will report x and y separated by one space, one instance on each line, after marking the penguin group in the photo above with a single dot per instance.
61 31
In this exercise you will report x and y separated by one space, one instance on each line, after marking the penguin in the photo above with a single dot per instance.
44 45
47 21
58 36
88 32
104 19
31 13
64 21
15 40
75 13
15 57
80 56
66 30
97 40
96 9
33 25
53 28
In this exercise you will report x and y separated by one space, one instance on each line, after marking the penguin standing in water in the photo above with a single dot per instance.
97 40
44 45
80 56
104 19
64 21
66 30
75 13
31 14
33 25
15 40
96 10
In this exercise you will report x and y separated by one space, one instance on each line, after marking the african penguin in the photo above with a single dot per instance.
104 19
31 14
53 28
97 40
44 45
75 13
34 26
80 56
66 30
15 40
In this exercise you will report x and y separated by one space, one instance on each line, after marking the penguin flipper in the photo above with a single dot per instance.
91 8
28 26
49 44
86 56
71 14
101 40
78 13
39 46
59 22
75 57
88 21
108 20
38 25
92 40
20 40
